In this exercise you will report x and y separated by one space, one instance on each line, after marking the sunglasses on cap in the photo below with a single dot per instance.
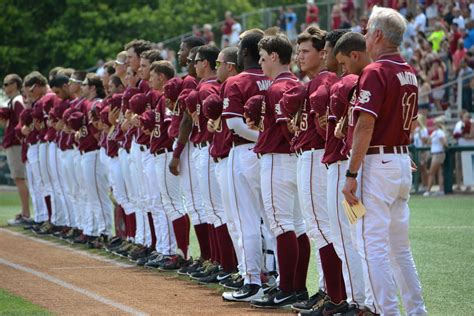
75 80
190 61
219 63
118 62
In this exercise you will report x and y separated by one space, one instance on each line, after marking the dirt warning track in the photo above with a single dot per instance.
75 282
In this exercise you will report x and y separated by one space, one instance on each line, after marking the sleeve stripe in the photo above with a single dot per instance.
232 113
281 119
366 110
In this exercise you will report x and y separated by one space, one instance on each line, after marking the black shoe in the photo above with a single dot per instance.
157 262
279 299
313 302
153 255
302 296
113 242
353 310
174 262
222 275
210 269
139 253
211 278
328 308
246 293
234 282
193 267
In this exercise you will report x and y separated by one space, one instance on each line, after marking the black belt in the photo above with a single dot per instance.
82 152
162 151
387 150
144 147
219 159
239 142
201 145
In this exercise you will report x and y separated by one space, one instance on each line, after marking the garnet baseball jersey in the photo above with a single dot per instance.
342 92
16 106
160 138
308 136
46 103
189 82
388 90
239 89
143 86
273 136
200 133
222 137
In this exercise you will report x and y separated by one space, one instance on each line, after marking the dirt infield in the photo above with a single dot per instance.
69 281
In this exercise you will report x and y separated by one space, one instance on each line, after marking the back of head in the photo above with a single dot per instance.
279 44
66 72
350 42
230 54
35 78
390 22
79 75
151 55
109 67
333 36
59 81
138 45
193 41
250 43
163 67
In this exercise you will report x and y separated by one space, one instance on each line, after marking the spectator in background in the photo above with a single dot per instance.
464 134
226 28
420 20
436 79
348 10
312 13
454 37
282 19
436 37
423 95
410 33
407 51
459 55
208 35
420 139
336 15
469 39
196 30
9 118
438 143
432 13
465 70
448 14
291 20
100 68
235 34
458 18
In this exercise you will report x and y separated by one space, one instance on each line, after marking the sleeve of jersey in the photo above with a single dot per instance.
337 108
189 84
233 105
370 93
18 108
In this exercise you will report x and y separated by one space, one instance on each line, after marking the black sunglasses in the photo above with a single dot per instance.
6 84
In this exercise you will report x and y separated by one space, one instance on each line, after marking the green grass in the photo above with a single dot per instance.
14 305
442 239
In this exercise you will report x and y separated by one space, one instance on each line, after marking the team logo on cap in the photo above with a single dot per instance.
278 109
225 103
364 96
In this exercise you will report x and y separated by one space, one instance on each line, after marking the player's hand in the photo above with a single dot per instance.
210 126
77 136
292 127
413 166
25 130
174 166
322 120
250 123
114 115
349 191
134 121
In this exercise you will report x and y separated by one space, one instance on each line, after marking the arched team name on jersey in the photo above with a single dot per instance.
407 78
263 84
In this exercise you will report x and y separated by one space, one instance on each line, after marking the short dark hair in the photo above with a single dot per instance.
315 35
54 71
66 72
209 53
250 42
79 75
109 67
193 41
279 44
333 36
35 77
230 54
350 42
138 45
59 81
116 80
163 67
15 79
94 80
152 55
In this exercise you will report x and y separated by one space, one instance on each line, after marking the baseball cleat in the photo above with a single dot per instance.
247 293
327 309
355 311
114 242
193 267
278 299
234 282
210 269
153 255
141 252
174 262
314 301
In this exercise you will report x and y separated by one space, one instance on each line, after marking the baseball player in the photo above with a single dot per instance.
9 118
278 177
386 105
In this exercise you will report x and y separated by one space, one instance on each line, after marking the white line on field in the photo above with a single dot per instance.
85 267
443 227
77 252
72 287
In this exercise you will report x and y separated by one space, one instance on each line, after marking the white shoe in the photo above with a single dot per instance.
427 193
247 293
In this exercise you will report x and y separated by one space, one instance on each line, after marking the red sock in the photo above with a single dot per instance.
332 268
226 248
181 232
211 242
152 230
131 225
304 252
47 199
287 247
120 222
202 234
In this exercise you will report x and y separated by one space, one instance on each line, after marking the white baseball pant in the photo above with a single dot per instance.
117 181
99 207
165 238
210 190
312 193
60 217
41 211
344 235
67 179
188 180
382 236
81 197
36 199
243 169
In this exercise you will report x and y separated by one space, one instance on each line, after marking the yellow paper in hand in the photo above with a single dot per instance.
353 212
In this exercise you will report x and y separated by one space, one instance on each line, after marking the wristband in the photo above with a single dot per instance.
349 174
178 150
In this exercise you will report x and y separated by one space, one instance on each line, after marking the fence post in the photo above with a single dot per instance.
448 168
459 95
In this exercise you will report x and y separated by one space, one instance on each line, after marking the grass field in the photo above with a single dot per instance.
442 238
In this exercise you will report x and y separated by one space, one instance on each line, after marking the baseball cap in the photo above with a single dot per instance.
172 88
319 97
59 109
192 100
128 94
147 120
26 117
38 113
104 115
138 103
76 120
212 106
67 114
182 98
115 101
293 98
253 108
5 113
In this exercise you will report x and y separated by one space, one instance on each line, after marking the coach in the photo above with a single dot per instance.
385 108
